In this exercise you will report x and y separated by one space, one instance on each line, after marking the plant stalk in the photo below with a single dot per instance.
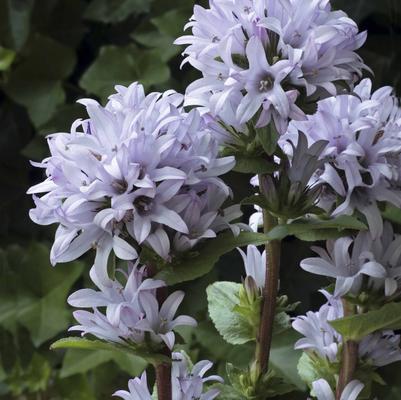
269 296
349 359
163 370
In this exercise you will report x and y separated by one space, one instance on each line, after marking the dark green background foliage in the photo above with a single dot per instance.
53 52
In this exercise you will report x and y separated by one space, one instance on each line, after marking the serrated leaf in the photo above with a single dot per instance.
123 65
36 83
356 327
88 344
201 260
222 299
33 293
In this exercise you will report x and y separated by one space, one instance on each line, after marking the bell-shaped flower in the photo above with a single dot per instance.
188 382
255 264
160 321
323 391
138 389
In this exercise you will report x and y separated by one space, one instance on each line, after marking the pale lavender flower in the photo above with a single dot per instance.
160 322
323 391
138 389
188 382
362 158
255 264
319 335
113 294
130 310
360 263
378 349
347 266
125 178
258 55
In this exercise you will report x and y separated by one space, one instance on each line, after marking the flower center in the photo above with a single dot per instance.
120 186
266 84
143 204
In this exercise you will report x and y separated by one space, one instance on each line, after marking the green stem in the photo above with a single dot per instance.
349 359
269 296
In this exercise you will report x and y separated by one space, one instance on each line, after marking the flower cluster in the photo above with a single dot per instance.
131 310
362 157
256 57
361 263
138 171
187 383
378 349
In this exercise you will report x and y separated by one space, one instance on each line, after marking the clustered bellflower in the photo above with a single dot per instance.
361 263
362 157
131 310
377 349
187 383
257 57
139 171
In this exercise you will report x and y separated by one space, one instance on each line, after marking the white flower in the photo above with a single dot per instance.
323 391
255 264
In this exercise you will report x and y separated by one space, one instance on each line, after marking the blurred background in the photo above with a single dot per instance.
53 52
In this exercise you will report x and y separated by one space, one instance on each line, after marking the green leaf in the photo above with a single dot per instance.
123 65
171 23
284 359
201 261
268 137
160 43
33 378
6 58
253 165
113 11
222 299
75 387
317 229
311 368
15 22
36 83
87 344
356 327
33 294
392 214
78 361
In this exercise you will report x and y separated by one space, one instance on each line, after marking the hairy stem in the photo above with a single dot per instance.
269 296
163 381
349 359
